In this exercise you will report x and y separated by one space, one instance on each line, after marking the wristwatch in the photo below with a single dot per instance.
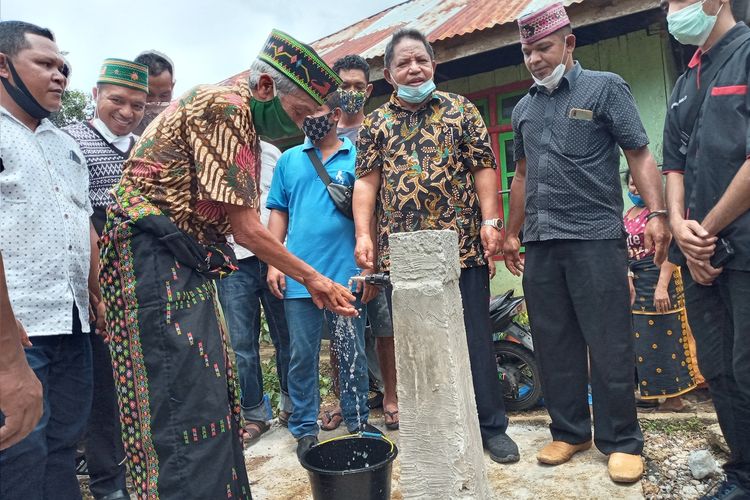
496 223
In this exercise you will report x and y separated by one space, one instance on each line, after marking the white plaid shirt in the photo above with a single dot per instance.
44 225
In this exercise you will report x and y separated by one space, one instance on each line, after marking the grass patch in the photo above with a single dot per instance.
667 426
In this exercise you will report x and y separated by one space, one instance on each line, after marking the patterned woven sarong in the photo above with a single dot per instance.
178 395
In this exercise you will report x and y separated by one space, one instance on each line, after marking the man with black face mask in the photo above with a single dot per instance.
304 214
46 240
191 180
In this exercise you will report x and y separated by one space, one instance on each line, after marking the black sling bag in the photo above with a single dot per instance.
341 195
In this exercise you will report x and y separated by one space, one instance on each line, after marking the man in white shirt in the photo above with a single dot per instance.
45 239
106 141
241 295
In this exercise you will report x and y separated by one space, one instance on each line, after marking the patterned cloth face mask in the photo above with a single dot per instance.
317 127
352 101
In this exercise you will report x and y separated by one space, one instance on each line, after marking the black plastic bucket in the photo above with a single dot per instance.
351 467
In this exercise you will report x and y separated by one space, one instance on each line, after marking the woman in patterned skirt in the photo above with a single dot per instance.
664 361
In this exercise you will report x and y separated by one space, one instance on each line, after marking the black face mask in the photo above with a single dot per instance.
21 95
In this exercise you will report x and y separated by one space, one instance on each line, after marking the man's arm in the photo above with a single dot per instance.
647 179
20 389
515 218
734 202
250 233
95 295
486 183
363 206
278 223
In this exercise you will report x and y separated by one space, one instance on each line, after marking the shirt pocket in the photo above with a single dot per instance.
580 138
77 179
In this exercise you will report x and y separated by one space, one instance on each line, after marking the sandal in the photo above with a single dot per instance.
284 418
330 420
252 430
393 424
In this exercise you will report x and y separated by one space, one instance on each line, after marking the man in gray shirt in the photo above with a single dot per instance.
569 130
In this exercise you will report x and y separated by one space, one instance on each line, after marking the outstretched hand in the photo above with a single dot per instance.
332 296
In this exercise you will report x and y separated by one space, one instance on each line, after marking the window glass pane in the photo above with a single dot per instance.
510 164
507 105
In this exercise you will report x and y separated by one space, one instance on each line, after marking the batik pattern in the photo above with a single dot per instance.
200 153
426 159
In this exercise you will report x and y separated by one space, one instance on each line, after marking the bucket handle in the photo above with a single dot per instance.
361 434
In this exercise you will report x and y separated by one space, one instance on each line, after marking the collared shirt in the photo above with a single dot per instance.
318 232
721 141
269 155
198 154
570 140
426 158
44 225
105 167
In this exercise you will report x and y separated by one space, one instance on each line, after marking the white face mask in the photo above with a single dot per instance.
551 81
108 135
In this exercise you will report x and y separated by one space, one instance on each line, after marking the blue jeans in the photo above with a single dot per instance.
348 338
42 466
241 296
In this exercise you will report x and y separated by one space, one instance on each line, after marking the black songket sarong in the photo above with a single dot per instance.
177 391
662 347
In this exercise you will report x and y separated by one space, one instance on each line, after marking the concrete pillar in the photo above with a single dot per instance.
440 446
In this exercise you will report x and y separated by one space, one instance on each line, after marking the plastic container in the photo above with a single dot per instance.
357 466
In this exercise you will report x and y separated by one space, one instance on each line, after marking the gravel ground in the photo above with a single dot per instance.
668 444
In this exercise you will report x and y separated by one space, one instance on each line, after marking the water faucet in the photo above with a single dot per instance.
382 280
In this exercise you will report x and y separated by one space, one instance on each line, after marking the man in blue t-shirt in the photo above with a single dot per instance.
303 213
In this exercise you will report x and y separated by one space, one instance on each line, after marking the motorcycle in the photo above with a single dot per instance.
514 352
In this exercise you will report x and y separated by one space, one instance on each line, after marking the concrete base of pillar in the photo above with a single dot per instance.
439 440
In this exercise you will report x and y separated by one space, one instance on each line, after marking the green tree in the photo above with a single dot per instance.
76 106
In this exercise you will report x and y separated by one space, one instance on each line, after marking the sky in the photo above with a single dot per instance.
208 40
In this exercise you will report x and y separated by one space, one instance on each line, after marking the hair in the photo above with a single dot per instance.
352 61
157 63
283 84
411 34
564 31
626 176
740 9
13 36
333 100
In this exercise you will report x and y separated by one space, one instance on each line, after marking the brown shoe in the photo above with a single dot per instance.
559 452
625 468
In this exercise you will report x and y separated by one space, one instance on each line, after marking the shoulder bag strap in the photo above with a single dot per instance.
319 167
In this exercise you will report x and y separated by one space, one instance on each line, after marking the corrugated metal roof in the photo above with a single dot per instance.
437 19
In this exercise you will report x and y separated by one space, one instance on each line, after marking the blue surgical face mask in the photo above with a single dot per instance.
637 200
415 95
691 25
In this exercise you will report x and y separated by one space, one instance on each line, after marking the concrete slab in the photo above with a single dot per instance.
275 473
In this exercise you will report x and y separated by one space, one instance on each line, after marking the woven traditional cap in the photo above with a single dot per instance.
542 22
124 73
301 64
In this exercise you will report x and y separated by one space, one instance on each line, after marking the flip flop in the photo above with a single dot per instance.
330 420
393 424
252 430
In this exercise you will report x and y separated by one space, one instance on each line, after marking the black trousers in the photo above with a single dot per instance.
719 316
579 309
105 453
474 284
